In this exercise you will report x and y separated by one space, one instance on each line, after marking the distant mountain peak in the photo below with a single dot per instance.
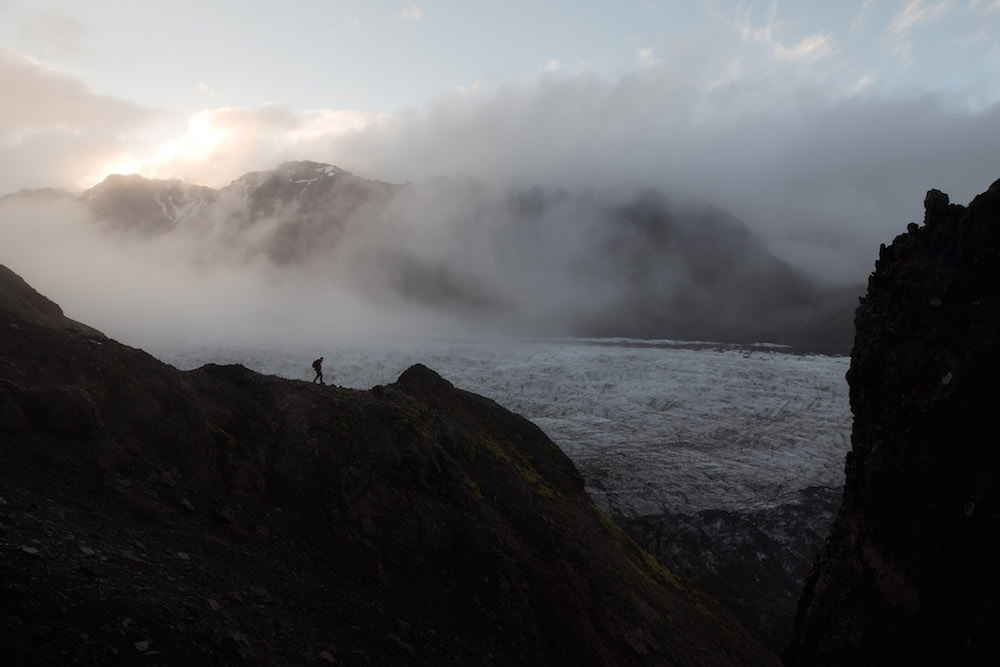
39 195
134 202
308 168
294 171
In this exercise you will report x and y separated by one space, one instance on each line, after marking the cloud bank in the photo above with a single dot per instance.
54 130
822 179
825 175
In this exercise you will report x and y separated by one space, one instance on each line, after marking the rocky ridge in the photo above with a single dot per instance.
908 574
155 516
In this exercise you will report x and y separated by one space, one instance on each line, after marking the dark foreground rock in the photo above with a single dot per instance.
218 516
909 573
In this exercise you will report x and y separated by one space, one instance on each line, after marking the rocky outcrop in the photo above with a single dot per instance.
149 515
908 574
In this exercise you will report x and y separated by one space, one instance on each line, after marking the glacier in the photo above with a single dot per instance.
653 426
726 462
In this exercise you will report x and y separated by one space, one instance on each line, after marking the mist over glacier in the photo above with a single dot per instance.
308 250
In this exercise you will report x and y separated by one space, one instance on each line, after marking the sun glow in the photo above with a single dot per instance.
180 157
202 139
219 144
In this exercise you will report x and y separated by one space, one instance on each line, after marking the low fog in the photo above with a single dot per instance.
306 252
366 271
210 281
144 291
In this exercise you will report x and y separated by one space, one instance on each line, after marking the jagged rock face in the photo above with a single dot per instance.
216 516
909 574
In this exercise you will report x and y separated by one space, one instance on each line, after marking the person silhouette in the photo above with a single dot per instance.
318 367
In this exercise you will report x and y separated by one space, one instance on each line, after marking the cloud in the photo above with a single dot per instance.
412 13
980 26
54 130
39 97
646 57
348 25
153 290
52 35
807 50
861 18
865 83
810 49
789 160
553 65
915 13
222 144
150 292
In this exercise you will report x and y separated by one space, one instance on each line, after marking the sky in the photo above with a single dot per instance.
821 125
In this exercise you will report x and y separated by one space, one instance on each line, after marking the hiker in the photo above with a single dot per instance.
318 367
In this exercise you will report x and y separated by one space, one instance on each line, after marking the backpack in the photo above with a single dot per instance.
316 365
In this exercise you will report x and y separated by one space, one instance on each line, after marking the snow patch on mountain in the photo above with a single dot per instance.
174 212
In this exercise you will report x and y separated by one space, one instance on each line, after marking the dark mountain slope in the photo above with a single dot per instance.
699 273
909 575
220 516
25 305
